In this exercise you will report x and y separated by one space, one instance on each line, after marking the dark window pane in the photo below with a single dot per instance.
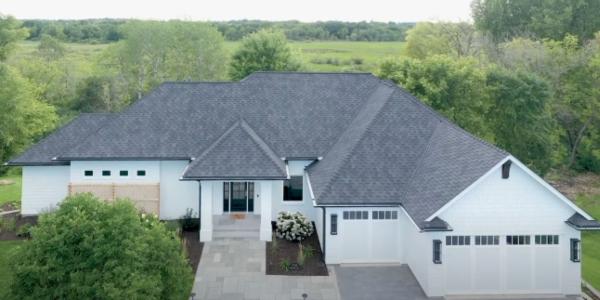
381 215
496 240
226 196
88 173
508 240
454 240
544 239
527 240
394 215
467 240
333 224
374 215
477 240
556 239
388 215
437 251
461 240
123 173
292 189
141 172
448 241
105 172
346 215
365 215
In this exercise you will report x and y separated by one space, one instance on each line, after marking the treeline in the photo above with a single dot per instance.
108 30
528 84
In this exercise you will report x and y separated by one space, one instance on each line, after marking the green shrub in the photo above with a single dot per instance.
90 249
293 226
190 221
308 251
285 265
24 230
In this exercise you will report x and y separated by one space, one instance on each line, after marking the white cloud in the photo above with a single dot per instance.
303 10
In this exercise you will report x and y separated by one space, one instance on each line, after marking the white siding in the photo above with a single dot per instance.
176 196
295 167
43 188
152 169
518 205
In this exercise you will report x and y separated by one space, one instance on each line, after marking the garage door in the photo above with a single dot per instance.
494 264
369 236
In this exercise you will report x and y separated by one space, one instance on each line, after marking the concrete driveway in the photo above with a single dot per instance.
386 282
394 282
235 269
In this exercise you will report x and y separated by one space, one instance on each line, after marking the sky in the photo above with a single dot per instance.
219 10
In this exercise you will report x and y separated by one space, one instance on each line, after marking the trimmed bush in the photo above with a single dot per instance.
293 226
90 249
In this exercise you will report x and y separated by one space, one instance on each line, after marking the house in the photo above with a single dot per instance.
384 177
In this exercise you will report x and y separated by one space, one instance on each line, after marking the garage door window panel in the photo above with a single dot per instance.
487 240
516 240
458 240
546 239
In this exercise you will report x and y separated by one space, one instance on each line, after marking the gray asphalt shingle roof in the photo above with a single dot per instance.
581 223
379 144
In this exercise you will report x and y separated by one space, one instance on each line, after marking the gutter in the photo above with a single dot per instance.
324 250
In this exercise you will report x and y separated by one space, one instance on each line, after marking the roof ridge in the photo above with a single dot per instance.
262 144
361 137
445 120
217 141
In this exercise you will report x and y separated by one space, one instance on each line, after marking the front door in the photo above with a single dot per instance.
238 196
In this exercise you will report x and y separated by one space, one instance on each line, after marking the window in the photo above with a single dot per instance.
105 172
487 240
546 239
575 250
458 240
385 215
141 173
124 173
292 189
333 224
356 215
437 251
88 173
518 240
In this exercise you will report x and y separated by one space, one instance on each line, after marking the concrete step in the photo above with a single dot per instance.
236 234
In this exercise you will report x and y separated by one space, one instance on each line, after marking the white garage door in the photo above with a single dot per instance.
369 236
518 264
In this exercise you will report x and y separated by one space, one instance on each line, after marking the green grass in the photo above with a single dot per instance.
339 56
5 275
591 241
11 192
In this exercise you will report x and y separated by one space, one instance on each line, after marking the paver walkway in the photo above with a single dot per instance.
235 269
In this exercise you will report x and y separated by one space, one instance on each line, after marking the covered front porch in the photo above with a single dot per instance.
236 209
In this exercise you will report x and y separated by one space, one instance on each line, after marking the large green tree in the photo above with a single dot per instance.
153 52
91 249
554 19
451 86
456 39
519 116
10 33
265 50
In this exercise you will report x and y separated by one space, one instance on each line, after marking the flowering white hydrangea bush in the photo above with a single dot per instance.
293 226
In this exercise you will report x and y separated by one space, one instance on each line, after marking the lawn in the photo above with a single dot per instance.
12 192
591 241
5 275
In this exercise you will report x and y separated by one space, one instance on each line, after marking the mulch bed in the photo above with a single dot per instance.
193 246
313 266
8 207
19 221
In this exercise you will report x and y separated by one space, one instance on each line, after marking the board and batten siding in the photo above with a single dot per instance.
295 168
43 188
518 205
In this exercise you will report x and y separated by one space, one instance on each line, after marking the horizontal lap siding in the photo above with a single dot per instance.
43 188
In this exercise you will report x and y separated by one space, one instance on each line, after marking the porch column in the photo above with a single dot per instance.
266 196
206 223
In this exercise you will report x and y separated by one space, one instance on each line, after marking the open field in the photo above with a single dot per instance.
10 192
321 56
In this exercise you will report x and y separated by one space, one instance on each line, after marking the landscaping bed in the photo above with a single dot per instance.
10 226
283 257
193 248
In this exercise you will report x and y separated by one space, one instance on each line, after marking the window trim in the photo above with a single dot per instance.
292 202
575 250
333 226
437 252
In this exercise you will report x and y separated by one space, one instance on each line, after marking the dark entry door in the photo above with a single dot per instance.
238 196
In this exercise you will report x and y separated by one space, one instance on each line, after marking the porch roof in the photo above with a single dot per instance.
237 154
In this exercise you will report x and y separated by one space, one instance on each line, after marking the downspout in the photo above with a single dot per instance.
324 233
199 208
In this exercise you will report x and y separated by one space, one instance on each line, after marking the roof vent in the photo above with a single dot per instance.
506 169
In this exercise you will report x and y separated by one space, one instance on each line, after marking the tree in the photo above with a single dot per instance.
91 249
99 94
454 87
519 116
23 118
51 48
456 39
152 52
265 50
554 19
10 33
